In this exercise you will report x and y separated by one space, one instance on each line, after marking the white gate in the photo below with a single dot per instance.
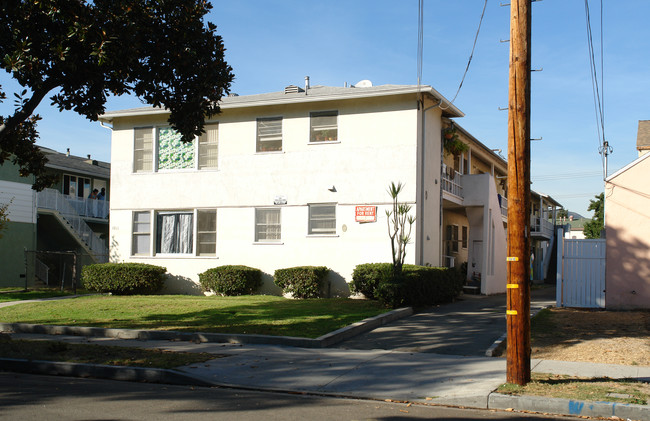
580 272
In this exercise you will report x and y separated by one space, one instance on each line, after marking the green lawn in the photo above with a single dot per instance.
19 294
253 314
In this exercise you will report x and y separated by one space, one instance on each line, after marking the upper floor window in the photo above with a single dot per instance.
322 219
323 126
164 147
173 154
209 147
143 150
269 134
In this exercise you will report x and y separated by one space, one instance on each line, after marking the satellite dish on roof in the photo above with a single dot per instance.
363 84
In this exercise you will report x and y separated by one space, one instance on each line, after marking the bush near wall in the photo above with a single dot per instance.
302 281
419 286
366 278
231 280
123 278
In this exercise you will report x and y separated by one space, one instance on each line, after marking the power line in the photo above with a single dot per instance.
471 54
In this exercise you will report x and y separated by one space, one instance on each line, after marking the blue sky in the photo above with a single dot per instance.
274 43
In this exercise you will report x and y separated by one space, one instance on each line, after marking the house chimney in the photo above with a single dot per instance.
88 156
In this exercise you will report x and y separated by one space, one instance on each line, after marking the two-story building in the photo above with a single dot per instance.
300 177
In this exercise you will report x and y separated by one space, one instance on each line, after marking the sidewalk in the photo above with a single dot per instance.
384 374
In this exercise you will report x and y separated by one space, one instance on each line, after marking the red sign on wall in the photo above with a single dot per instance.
365 214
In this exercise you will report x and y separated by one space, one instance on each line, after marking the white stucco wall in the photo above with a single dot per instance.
377 145
486 227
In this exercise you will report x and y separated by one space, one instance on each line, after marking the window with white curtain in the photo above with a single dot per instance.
322 219
141 233
174 232
267 225
209 147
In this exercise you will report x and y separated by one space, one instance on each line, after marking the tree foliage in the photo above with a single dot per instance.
4 215
78 52
399 227
593 228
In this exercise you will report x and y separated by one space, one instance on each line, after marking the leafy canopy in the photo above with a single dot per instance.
593 228
77 52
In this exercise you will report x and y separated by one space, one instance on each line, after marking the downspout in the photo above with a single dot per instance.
422 189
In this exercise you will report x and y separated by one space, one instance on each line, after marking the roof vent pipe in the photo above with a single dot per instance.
67 152
306 83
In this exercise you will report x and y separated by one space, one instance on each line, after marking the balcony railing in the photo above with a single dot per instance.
52 199
541 226
451 182
504 205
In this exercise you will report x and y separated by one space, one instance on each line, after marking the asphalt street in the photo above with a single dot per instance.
49 398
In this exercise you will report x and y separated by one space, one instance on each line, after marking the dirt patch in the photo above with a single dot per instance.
609 337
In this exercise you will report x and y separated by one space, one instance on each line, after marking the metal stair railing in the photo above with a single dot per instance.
53 200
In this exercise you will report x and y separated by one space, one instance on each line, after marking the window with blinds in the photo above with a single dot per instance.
323 126
143 150
322 219
209 147
269 134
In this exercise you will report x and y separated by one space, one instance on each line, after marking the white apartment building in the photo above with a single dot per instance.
298 177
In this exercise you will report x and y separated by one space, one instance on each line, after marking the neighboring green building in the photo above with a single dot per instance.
59 227
20 231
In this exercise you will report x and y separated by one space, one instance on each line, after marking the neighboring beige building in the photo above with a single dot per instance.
299 177
627 225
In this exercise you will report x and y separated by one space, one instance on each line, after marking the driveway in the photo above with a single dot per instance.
468 326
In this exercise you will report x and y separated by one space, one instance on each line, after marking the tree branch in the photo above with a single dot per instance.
27 109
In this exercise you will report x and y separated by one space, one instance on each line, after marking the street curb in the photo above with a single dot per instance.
324 341
121 373
568 407
496 349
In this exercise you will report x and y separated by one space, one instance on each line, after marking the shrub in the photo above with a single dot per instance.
123 278
421 286
302 281
367 277
231 280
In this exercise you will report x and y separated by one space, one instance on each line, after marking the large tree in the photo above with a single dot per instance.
593 228
77 52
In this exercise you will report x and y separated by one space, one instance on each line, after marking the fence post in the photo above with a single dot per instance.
559 282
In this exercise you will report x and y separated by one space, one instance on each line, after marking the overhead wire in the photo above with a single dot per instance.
598 93
469 61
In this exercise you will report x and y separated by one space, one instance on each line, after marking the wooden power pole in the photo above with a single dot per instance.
518 285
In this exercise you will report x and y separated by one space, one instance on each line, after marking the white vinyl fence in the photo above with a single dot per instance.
580 272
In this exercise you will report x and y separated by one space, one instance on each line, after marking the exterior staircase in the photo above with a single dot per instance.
52 202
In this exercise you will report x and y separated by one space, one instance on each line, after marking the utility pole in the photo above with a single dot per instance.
518 284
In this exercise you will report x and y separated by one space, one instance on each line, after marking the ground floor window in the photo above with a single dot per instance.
322 219
207 232
141 233
174 232
268 227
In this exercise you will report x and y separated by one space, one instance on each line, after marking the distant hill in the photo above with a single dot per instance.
576 215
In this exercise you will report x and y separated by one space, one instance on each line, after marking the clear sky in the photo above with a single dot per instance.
274 43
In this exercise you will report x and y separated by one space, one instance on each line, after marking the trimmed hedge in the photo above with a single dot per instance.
367 277
302 281
123 278
419 286
231 280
